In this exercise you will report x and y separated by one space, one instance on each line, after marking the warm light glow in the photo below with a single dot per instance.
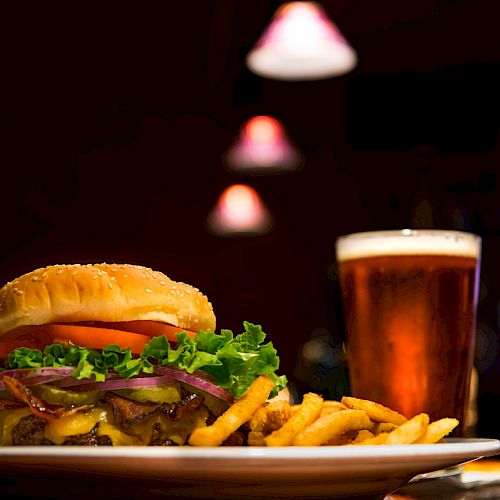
239 210
303 28
263 129
262 147
239 204
301 43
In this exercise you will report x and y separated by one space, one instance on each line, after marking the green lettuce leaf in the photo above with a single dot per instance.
234 362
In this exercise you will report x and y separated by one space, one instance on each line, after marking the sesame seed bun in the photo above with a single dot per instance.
102 292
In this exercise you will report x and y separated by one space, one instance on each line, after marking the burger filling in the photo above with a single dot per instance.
67 394
56 416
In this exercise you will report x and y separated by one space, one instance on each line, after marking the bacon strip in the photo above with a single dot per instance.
190 403
127 411
37 405
10 405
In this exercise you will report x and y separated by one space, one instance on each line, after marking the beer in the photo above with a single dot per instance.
410 300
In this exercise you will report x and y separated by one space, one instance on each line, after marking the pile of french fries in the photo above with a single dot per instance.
315 422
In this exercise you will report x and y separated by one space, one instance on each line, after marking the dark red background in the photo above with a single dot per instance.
115 120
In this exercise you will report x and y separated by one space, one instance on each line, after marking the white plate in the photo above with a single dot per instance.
183 472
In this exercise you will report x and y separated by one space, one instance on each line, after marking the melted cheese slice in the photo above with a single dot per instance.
80 423
8 420
57 430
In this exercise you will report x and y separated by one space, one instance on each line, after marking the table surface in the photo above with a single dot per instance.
477 480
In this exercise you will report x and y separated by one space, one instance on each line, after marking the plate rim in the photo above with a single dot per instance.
452 447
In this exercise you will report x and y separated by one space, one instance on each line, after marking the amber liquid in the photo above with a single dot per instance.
411 331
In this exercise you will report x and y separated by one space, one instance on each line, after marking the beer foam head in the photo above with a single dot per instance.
407 242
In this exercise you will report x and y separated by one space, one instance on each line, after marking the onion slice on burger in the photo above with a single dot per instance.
73 382
129 383
196 381
164 375
35 376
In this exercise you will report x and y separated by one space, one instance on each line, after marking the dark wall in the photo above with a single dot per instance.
114 124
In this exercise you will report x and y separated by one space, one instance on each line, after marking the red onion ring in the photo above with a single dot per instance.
35 376
122 383
73 382
196 381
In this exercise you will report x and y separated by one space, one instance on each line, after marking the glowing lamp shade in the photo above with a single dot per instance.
239 210
301 43
262 147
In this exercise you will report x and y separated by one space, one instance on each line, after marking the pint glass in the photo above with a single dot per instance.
409 301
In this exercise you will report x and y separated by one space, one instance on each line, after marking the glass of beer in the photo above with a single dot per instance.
410 299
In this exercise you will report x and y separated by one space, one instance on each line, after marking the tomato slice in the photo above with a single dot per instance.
150 328
85 336
133 334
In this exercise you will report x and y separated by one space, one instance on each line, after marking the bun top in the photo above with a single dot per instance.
102 292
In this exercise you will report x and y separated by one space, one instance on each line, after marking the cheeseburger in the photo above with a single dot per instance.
118 354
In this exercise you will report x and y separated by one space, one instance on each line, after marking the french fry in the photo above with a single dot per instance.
255 438
258 421
361 436
410 431
331 407
331 425
304 415
277 413
437 430
382 427
270 416
376 411
342 439
378 439
237 414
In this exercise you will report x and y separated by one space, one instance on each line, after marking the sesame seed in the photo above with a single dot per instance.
148 290
162 283
35 278
44 275
110 285
59 271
